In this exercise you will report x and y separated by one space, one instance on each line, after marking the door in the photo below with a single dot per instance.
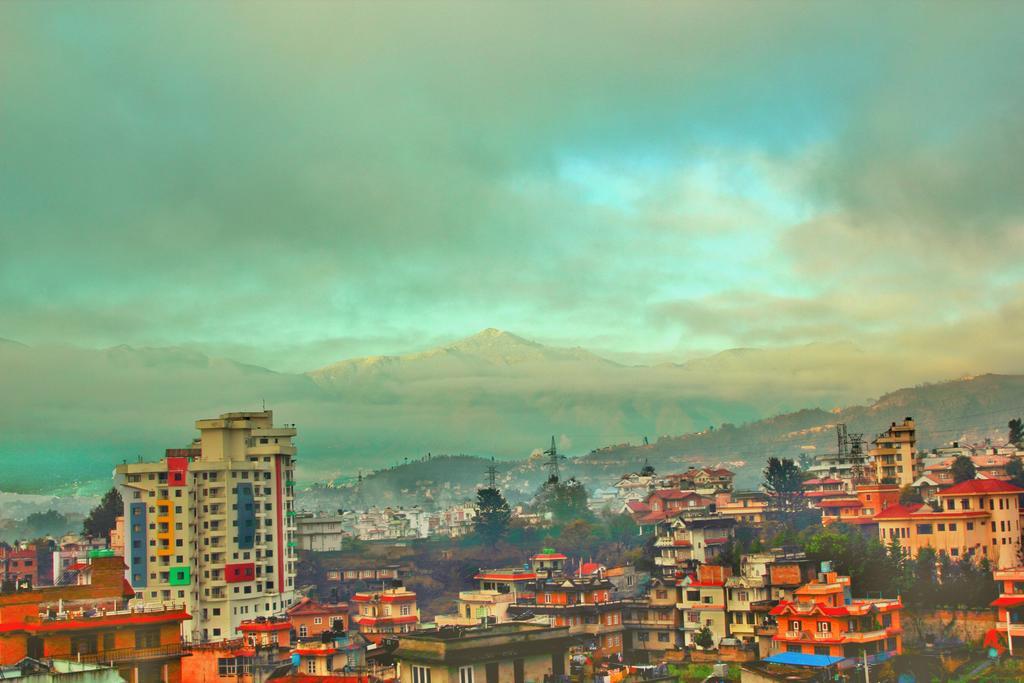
492 672
519 671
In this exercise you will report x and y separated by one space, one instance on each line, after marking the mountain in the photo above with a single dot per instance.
80 411
970 409
489 352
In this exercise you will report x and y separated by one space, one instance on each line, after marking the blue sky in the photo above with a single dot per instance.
290 184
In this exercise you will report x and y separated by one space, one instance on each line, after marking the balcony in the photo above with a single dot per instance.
864 636
134 654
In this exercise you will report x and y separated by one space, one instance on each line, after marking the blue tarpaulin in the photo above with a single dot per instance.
800 659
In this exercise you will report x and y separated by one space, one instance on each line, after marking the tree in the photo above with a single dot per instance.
1015 468
1016 436
704 639
564 500
784 483
492 514
963 469
103 517
49 523
908 495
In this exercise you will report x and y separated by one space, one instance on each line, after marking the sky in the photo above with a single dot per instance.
290 184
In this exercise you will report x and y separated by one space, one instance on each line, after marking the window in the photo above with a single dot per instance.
794 625
465 674
824 627
226 666
318 620
663 638
303 631
311 666
420 674
924 529
952 527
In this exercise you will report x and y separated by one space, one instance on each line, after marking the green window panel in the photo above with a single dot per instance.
181 576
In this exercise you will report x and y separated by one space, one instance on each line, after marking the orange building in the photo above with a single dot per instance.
380 614
977 518
859 507
824 620
263 646
90 622
311 618
585 605
1010 607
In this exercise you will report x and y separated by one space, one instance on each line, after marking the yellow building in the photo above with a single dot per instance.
894 454
978 518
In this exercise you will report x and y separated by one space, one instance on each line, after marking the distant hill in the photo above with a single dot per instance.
81 411
969 410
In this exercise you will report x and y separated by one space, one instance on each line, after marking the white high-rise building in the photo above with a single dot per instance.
213 525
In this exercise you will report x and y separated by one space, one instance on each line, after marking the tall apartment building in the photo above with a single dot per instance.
213 525
894 454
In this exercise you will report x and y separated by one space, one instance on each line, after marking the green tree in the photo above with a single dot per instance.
1016 435
103 517
564 500
704 639
784 483
909 495
49 523
963 469
576 539
1015 468
492 514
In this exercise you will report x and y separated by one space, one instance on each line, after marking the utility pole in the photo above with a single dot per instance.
867 670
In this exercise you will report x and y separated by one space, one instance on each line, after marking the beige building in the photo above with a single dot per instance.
653 623
748 596
976 518
506 653
212 525
475 607
894 454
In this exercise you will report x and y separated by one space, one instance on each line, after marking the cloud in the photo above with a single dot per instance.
283 184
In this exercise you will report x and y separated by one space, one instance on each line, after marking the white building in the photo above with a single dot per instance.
213 525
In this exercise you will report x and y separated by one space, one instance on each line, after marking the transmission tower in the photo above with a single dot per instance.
842 442
553 458
492 474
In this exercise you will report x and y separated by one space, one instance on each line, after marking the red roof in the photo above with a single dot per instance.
980 486
818 482
308 606
637 506
506 576
590 568
672 494
1008 601
899 511
549 556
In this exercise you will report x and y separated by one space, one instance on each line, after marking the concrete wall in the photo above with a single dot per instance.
967 625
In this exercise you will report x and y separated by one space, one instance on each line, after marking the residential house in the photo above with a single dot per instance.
702 602
91 622
1010 607
894 454
506 653
824 620
310 618
652 623
384 613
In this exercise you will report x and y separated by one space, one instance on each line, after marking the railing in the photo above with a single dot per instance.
132 654
862 636
148 608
